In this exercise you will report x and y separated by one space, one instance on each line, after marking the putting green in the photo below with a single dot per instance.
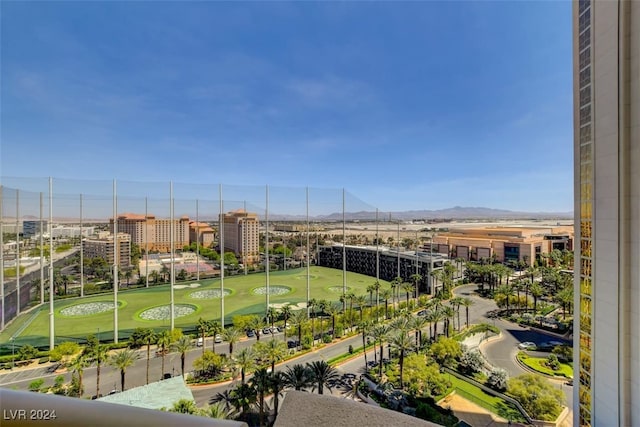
33 327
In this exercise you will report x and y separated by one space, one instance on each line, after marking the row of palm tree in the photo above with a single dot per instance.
253 393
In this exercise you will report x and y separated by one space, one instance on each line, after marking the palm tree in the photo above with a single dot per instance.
99 355
322 374
260 383
536 292
232 336
408 288
467 302
155 276
286 313
401 341
416 279
242 397
182 346
77 365
360 301
312 304
386 294
203 328
456 302
276 384
376 286
122 360
448 314
163 341
148 337
371 289
297 320
214 330
245 359
507 292
418 323
379 334
322 306
272 314
297 377
364 330
333 310
273 351
395 283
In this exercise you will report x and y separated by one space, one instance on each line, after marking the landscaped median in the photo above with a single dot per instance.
541 365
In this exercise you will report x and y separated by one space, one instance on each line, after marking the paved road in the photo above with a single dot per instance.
502 351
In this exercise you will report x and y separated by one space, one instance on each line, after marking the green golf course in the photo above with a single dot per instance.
75 318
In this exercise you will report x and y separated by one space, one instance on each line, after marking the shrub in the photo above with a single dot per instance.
498 379
552 362
471 361
326 338
36 385
27 352
43 360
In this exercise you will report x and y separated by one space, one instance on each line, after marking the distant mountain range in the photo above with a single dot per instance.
455 213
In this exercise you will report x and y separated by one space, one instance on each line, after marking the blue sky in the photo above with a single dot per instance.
407 105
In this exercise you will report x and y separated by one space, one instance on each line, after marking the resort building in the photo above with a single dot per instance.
202 233
241 235
34 228
383 262
505 244
606 99
153 234
102 246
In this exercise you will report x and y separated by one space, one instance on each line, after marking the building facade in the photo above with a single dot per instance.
606 63
34 228
153 234
202 233
505 244
241 235
102 246
383 262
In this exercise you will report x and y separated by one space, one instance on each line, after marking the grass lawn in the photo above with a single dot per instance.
325 283
537 364
491 403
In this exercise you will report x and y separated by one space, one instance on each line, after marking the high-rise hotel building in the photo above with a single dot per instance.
241 232
606 62
154 234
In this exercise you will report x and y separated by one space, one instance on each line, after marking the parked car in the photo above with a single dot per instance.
251 333
200 342
527 345
218 339
266 331
293 343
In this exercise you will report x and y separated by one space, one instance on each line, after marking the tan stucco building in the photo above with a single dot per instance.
503 243
241 235
154 234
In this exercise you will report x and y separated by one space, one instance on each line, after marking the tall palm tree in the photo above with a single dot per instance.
245 359
77 365
272 351
379 334
376 286
182 346
272 315
163 341
386 294
361 301
416 279
448 313
277 385
148 337
286 313
232 336
298 377
456 302
402 342
418 323
242 398
260 383
298 320
332 311
123 360
214 330
536 292
364 326
322 307
370 290
100 354
204 328
322 375
312 304
466 303
408 288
